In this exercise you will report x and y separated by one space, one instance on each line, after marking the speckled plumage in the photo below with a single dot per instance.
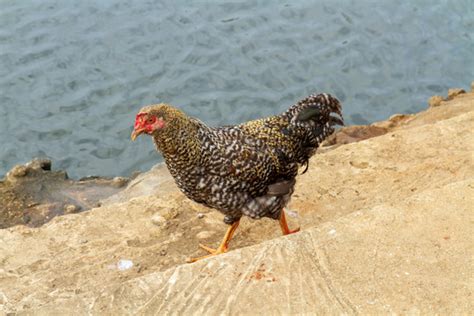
247 169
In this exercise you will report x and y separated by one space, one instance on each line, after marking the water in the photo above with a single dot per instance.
74 73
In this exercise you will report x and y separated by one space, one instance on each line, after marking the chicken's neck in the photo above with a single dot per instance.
179 143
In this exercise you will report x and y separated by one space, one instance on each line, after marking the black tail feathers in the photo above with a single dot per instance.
312 120
318 108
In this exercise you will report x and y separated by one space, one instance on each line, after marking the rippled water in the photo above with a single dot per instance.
74 73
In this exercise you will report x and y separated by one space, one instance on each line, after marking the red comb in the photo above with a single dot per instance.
139 120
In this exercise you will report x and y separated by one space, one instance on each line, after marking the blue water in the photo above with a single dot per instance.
74 73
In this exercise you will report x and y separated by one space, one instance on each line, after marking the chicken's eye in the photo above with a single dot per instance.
150 120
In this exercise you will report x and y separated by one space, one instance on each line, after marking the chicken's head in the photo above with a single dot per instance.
153 119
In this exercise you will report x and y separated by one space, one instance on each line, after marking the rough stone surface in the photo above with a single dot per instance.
204 234
408 258
353 134
158 220
32 194
435 100
386 228
452 93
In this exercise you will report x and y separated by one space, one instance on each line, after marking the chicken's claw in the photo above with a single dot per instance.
212 253
212 250
293 231
223 247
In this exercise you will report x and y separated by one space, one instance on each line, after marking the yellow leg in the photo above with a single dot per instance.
223 247
284 225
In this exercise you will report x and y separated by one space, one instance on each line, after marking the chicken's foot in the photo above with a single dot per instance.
223 247
284 225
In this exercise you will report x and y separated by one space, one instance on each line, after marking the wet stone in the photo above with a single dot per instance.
435 101
40 164
18 171
71 209
452 93
119 182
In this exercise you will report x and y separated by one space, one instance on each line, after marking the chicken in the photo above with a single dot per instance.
247 169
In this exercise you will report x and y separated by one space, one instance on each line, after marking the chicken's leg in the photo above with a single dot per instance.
222 247
284 225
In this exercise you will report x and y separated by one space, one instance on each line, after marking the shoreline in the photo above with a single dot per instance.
33 193
386 227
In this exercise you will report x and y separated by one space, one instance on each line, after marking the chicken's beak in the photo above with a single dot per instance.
136 133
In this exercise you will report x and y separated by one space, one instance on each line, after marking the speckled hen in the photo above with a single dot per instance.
247 169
